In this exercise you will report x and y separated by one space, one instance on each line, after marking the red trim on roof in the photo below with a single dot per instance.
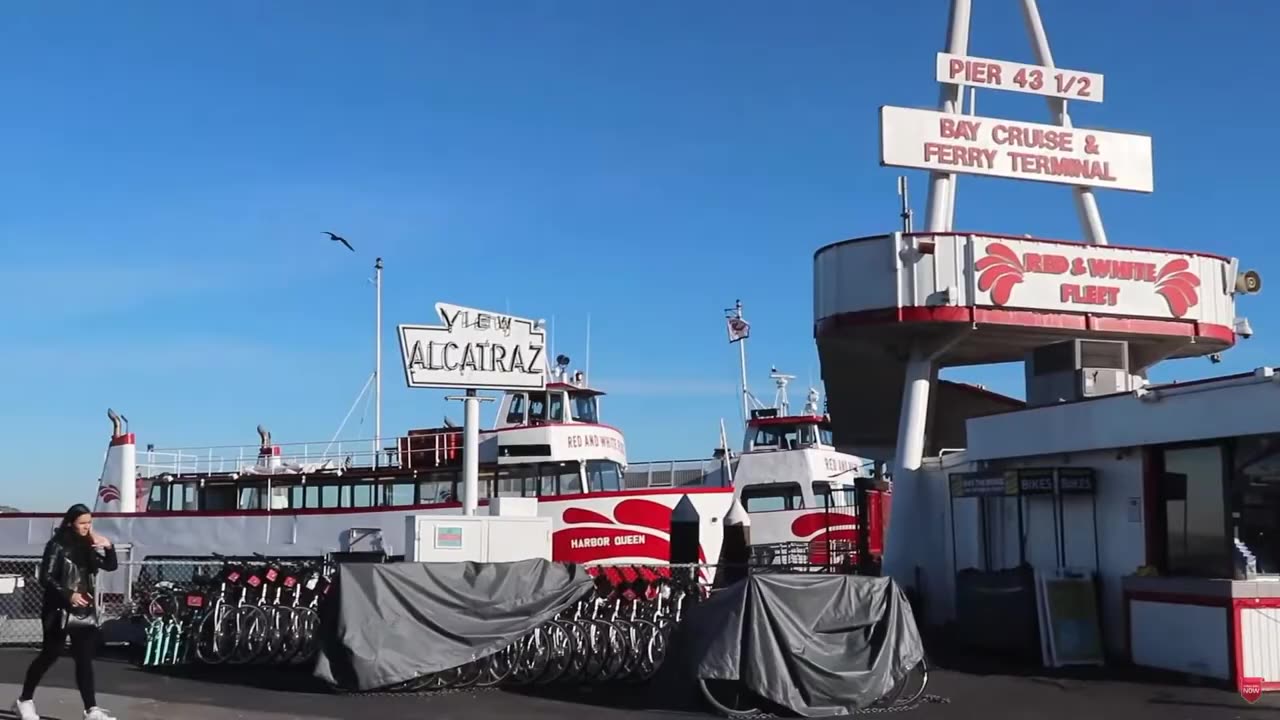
1002 236
695 490
125 439
787 420
1027 318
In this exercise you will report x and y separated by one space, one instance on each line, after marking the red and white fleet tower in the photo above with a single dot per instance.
891 310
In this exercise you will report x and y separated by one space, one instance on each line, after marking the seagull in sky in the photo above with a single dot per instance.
339 238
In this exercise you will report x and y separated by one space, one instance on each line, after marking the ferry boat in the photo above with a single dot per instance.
807 502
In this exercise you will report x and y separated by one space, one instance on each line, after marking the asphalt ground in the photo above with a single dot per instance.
972 687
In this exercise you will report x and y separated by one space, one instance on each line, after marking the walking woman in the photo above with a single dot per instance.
72 559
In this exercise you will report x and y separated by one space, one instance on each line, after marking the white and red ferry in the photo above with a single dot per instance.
309 499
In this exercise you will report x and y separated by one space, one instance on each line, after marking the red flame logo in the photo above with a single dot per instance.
109 493
1177 285
1001 270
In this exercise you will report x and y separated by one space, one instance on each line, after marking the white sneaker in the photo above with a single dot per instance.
97 713
25 710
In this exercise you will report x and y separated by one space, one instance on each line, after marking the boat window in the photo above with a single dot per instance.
182 496
251 497
538 407
584 408
777 436
399 494
603 476
219 497
362 495
510 482
568 483
825 496
156 500
296 496
825 435
515 415
313 496
329 496
436 491
808 434
557 407
772 497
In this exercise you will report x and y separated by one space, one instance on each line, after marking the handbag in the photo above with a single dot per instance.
84 618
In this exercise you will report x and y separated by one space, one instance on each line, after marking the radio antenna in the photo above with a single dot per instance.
906 213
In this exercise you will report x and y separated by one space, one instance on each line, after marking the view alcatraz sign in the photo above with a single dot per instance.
474 349
951 143
1091 278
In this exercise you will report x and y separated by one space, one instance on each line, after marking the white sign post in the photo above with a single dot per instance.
950 143
473 350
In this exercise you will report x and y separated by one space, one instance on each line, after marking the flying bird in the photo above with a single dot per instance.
339 238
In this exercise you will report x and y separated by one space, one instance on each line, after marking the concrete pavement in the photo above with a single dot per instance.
974 690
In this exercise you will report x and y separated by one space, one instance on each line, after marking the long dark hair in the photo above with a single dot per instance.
66 532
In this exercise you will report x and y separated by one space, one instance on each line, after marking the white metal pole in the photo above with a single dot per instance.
1086 203
742 363
937 211
470 453
377 362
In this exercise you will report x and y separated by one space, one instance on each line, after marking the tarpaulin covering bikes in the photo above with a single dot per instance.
395 622
814 644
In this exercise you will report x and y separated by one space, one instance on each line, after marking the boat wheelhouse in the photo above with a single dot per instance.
543 444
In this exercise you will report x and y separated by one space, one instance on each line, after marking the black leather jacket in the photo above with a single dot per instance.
61 576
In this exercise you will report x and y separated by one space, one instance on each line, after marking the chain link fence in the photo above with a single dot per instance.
122 594
21 597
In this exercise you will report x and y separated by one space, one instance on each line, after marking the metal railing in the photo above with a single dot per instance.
676 473
309 457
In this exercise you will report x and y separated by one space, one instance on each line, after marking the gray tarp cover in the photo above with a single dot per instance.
394 622
814 644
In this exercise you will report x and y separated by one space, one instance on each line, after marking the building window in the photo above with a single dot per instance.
1256 498
1193 503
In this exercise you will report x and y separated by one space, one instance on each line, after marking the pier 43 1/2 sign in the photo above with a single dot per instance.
474 349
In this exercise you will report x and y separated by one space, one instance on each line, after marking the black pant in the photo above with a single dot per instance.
83 644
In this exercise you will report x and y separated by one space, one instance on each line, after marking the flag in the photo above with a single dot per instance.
739 329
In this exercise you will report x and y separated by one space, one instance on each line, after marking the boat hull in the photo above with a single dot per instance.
611 527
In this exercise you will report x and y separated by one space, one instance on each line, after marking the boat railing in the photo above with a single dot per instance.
676 473
245 459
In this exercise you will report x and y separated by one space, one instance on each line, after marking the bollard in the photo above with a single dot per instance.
735 551
685 541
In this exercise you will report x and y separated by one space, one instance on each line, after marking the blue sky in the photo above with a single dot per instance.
168 170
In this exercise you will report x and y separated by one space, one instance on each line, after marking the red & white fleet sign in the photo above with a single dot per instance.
976 145
1098 279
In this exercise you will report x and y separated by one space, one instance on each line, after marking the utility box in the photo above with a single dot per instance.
1077 369
476 538
513 507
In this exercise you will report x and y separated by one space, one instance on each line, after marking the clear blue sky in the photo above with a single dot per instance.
168 170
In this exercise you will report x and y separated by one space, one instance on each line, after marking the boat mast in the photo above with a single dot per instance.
377 360
738 333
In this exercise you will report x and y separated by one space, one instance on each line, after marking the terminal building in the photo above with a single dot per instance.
1102 518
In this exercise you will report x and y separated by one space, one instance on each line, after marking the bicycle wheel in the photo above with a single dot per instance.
251 627
612 652
308 629
652 650
497 668
909 689
560 651
729 698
